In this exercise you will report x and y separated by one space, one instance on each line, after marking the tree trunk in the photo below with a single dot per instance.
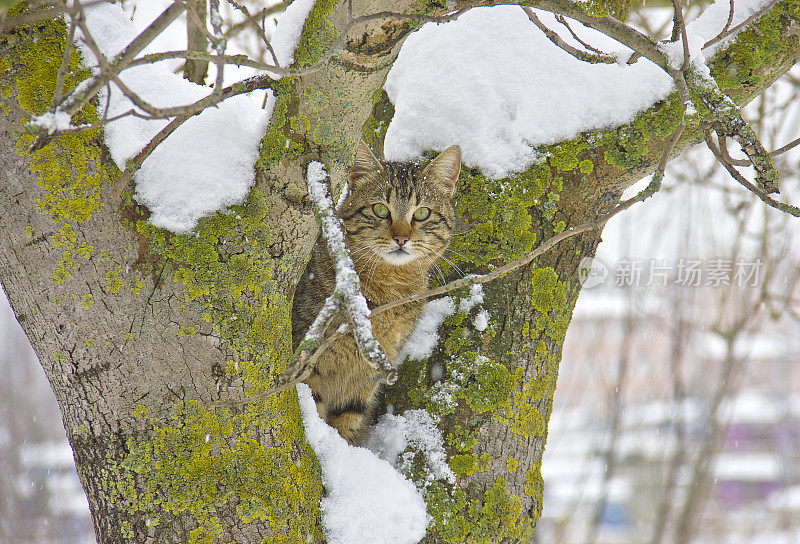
139 330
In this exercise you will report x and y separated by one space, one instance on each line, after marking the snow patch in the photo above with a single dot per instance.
425 335
206 164
289 29
367 501
457 83
475 298
52 121
397 439
481 320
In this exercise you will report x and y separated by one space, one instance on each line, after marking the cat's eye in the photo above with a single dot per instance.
422 213
380 210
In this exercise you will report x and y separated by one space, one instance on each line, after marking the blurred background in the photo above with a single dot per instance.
677 414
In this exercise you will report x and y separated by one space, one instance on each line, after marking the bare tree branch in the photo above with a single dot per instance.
791 145
723 148
676 6
256 27
787 208
65 60
134 164
85 91
195 70
237 28
561 19
556 39
725 33
218 43
730 122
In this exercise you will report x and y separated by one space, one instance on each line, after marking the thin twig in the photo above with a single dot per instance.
15 107
65 60
730 19
218 43
134 164
237 28
256 27
787 147
51 12
212 99
676 6
556 39
730 123
757 15
723 149
85 91
786 208
304 360
561 19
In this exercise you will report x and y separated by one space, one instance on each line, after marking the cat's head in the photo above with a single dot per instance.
400 212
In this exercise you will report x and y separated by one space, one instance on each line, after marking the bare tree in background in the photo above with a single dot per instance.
701 385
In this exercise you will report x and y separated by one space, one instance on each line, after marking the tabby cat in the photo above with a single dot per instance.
398 220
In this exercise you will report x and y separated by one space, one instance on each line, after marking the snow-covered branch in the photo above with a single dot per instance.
348 284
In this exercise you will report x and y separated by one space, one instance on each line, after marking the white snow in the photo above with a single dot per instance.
457 83
367 500
481 320
52 121
206 164
425 335
475 298
707 26
396 439
317 174
287 33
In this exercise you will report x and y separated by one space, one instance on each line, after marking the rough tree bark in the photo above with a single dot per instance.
139 330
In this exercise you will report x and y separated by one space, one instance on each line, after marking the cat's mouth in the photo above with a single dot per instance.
399 256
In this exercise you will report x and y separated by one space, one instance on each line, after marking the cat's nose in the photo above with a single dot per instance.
401 240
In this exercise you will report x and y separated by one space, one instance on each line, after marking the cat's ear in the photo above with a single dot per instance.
364 164
445 168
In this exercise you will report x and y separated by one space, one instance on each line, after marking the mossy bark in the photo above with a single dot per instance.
139 331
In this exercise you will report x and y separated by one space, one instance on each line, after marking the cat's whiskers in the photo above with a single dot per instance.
457 253
454 265
435 266
371 259
374 267
363 254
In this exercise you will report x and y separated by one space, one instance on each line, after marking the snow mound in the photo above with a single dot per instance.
493 84
367 501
